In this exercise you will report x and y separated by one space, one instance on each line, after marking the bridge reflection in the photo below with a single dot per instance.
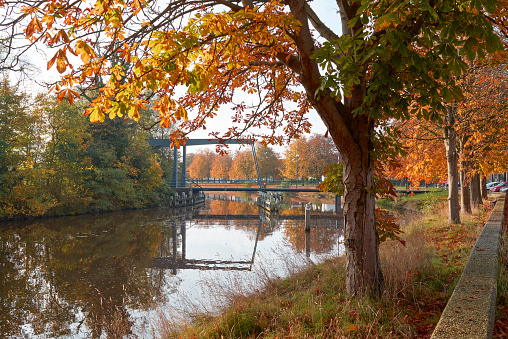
173 262
173 251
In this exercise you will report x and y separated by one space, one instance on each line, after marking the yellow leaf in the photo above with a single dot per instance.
133 113
181 113
96 115
113 111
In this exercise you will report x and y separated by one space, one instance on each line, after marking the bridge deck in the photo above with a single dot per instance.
278 189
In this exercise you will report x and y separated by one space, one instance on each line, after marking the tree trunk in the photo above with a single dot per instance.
363 267
465 201
476 199
465 198
450 140
352 136
483 188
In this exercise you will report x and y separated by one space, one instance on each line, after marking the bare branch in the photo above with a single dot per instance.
325 32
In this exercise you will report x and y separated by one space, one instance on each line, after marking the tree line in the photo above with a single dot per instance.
53 161
303 158
468 145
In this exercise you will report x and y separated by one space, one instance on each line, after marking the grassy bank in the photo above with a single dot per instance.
312 303
501 324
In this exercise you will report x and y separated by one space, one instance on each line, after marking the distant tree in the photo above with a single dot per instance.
268 161
22 142
201 164
314 154
221 166
243 166
65 155
322 152
297 149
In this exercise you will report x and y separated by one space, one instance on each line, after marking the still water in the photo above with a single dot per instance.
115 275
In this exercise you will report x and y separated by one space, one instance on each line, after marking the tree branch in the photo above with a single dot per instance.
325 32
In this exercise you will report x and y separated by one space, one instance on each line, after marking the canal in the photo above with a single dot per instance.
118 274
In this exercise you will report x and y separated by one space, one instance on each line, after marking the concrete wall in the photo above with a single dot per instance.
471 310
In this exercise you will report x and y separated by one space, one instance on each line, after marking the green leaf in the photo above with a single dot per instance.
445 93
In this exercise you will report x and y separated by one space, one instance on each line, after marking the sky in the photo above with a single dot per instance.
326 10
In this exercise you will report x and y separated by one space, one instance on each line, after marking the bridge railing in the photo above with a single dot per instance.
253 182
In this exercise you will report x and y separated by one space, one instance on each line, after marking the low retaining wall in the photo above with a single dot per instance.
471 310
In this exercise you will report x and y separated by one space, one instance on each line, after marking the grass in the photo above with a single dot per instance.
501 324
312 303
421 202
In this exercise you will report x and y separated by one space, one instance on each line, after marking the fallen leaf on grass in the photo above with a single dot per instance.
352 328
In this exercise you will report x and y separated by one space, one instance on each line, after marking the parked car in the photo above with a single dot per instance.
494 183
504 189
498 187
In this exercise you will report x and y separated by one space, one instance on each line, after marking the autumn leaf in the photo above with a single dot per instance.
181 113
352 328
95 114
33 26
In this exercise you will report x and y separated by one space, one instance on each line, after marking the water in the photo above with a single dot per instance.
113 274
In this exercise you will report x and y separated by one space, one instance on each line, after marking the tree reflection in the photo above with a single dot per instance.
322 238
85 270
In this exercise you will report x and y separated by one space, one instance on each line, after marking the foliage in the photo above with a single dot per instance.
268 162
221 166
201 164
205 164
481 125
243 166
314 155
56 163
333 179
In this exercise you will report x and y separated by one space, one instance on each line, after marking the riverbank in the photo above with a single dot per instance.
162 197
419 277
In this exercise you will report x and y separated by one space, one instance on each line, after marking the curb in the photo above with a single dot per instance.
471 310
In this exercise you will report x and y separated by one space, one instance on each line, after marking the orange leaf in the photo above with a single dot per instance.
61 62
70 97
30 28
52 61
61 95
48 20
352 328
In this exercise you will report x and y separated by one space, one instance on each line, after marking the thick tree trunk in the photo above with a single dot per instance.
465 201
352 136
476 199
450 140
363 267
483 188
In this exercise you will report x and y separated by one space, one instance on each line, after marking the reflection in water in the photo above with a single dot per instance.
175 262
91 276
75 272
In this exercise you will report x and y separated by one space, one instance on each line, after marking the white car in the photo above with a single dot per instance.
504 189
